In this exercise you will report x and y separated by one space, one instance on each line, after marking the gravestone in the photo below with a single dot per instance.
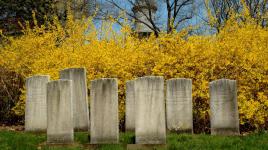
224 116
179 105
104 124
36 103
150 125
130 106
80 97
60 116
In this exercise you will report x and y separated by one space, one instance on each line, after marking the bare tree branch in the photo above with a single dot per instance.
178 11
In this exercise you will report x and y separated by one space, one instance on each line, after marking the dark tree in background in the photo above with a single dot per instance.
13 11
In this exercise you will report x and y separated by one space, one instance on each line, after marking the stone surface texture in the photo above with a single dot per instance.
60 112
130 106
36 103
80 97
150 122
179 105
224 116
104 123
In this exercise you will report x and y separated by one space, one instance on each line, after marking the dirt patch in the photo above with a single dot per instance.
11 128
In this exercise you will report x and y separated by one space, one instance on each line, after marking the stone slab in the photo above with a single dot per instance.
60 129
130 106
80 97
150 122
104 127
224 118
179 105
36 103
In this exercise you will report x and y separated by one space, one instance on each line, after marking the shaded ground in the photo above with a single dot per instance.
11 128
14 140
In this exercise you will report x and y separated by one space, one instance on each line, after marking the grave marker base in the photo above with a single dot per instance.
146 147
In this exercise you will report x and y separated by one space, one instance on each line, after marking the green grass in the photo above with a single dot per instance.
28 141
253 141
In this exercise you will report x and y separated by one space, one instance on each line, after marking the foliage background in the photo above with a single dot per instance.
239 52
12 11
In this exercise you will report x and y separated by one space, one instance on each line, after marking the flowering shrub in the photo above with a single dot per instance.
239 52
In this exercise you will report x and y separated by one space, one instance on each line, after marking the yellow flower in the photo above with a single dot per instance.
238 52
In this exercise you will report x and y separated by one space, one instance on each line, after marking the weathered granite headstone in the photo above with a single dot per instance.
130 106
224 117
36 103
179 105
104 122
60 112
80 97
150 124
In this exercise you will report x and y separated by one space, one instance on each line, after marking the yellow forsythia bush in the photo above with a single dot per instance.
239 52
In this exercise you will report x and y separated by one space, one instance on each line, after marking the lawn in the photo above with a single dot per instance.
10 140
